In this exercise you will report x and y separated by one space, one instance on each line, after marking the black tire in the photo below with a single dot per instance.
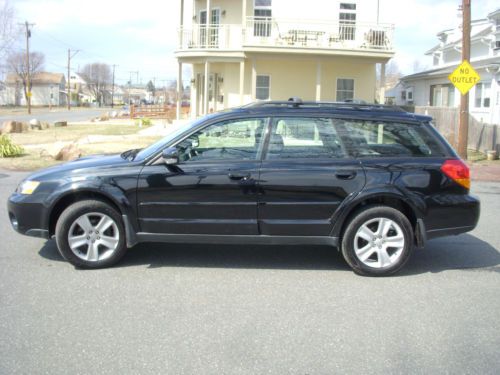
89 207
369 215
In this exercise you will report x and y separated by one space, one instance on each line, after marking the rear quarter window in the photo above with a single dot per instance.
387 139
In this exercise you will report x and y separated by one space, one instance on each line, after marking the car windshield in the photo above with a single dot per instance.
157 146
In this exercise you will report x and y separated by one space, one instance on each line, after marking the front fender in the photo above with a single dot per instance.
94 186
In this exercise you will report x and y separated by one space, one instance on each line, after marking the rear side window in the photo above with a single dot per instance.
304 138
385 139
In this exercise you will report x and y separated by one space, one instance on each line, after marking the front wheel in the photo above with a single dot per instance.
90 234
377 241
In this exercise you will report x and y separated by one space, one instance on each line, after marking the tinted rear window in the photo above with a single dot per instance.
387 139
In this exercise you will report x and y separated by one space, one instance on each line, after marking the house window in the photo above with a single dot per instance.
442 95
263 87
410 95
347 21
482 99
345 89
262 18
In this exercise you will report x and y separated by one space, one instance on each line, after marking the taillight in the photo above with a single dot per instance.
458 171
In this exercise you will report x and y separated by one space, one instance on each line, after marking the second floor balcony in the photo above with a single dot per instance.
289 35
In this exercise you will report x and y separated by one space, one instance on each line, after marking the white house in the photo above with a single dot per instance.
48 89
246 50
432 87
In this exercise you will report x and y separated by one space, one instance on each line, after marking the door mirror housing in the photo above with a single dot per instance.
170 156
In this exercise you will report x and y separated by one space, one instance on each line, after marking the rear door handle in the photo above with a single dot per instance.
239 176
345 175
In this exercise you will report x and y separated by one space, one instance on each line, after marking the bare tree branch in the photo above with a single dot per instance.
8 29
16 63
98 77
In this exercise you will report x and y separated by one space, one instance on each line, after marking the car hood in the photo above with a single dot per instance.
85 165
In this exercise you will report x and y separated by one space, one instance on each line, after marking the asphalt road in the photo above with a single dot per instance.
59 114
183 309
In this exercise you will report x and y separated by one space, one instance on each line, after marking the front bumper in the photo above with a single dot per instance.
27 215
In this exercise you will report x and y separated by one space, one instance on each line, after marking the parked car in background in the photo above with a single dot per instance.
372 181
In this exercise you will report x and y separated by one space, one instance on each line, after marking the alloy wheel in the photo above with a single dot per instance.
93 237
379 242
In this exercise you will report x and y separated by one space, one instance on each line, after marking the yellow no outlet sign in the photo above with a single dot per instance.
464 77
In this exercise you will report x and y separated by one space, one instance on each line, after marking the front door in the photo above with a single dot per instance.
213 188
305 176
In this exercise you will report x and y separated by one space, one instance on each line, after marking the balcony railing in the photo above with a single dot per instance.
272 32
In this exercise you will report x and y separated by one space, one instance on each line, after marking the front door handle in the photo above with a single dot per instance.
345 175
239 176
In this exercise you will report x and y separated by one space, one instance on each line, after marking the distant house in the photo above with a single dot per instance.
432 87
48 89
3 92
246 50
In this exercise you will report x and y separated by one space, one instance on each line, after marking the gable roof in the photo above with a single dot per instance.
445 70
38 78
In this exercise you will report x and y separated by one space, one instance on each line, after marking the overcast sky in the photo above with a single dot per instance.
141 35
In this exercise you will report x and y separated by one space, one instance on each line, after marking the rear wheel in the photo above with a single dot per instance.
90 234
377 241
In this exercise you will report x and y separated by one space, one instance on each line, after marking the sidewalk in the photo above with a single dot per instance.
485 171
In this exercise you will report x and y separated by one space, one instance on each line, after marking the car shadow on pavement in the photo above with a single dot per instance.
451 253
463 252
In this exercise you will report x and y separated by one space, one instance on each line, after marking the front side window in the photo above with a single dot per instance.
262 87
345 89
228 140
387 139
304 138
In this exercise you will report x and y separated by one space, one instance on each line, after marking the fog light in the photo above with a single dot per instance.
14 221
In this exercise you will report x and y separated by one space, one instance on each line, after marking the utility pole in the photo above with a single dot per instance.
69 76
28 68
463 127
113 88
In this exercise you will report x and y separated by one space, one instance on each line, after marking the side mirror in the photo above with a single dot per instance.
170 156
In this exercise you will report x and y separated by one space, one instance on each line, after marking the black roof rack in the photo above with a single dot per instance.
351 104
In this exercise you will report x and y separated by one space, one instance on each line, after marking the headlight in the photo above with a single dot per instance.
28 187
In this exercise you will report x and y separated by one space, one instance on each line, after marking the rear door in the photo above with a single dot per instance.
305 176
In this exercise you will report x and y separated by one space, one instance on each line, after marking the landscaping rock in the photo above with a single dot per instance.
35 124
8 127
60 124
21 127
104 117
113 114
44 125
69 152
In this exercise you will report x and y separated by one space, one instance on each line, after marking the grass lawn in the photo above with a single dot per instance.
35 142
71 133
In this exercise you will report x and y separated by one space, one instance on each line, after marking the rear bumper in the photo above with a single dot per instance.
27 216
454 215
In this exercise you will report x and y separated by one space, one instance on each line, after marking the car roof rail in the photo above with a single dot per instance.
353 104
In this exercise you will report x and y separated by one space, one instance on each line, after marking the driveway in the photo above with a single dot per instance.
183 309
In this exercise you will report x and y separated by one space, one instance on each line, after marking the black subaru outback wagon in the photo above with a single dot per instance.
373 181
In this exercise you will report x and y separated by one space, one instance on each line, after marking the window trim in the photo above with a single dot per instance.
269 88
337 87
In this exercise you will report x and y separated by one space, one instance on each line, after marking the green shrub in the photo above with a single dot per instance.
9 149
144 121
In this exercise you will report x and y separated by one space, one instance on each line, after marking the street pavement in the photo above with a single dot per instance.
184 309
59 114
